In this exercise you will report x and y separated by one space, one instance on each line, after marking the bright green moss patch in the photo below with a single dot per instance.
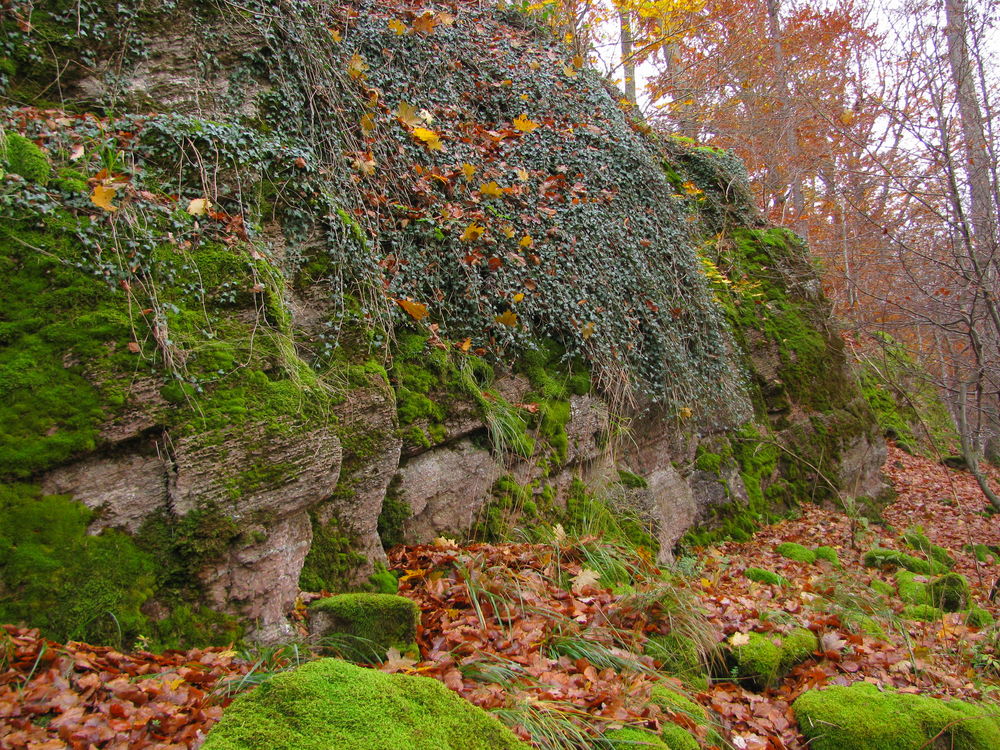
794 551
25 158
373 622
949 592
883 588
796 646
910 589
674 702
628 738
72 585
331 557
922 613
879 557
757 660
829 554
916 538
862 717
978 617
765 576
333 704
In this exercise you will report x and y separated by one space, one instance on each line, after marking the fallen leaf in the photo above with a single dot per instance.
407 114
397 26
416 310
508 318
522 123
356 66
199 206
491 189
472 232
102 197
429 138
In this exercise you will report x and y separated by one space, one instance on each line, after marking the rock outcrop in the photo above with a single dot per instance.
348 288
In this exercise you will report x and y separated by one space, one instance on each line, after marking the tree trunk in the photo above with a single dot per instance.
788 134
628 62
969 450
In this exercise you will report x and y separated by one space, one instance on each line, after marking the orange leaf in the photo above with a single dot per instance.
508 318
425 24
102 197
397 26
416 310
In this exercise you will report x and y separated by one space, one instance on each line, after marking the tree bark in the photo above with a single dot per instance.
628 63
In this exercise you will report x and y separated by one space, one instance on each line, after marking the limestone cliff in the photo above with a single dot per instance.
288 284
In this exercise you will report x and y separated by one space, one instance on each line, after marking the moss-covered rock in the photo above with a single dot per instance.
880 557
977 617
949 592
761 659
795 551
333 704
796 646
883 588
862 717
829 554
910 589
367 625
23 157
922 613
628 738
765 576
675 735
916 538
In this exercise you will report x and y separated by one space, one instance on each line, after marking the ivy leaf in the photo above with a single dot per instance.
508 318
491 189
429 138
416 310
522 123
356 66
102 197
397 26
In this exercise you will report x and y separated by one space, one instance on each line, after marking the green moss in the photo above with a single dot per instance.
922 613
829 554
883 588
674 702
879 557
977 617
677 655
678 738
794 551
395 512
25 158
757 660
383 581
910 589
333 704
332 557
630 480
796 646
705 460
950 592
376 622
916 538
56 576
765 576
863 717
627 738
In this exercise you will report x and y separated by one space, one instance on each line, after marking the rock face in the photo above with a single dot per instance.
354 343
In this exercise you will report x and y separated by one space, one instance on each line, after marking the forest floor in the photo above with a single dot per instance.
550 636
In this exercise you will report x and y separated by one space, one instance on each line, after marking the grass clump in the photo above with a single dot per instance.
330 703
678 656
795 551
765 576
862 717
374 622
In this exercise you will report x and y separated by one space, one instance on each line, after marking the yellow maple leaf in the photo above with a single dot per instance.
416 310
569 71
491 189
522 123
356 66
472 233
199 206
335 35
367 123
685 412
526 241
519 296
508 318
102 197
464 345
578 61
522 175
468 170
429 138
588 330
397 26
508 231
407 114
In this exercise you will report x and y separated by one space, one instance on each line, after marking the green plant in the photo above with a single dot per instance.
765 576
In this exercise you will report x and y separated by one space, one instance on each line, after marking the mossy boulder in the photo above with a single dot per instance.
911 590
761 659
676 736
950 592
883 588
829 554
765 576
862 717
23 157
630 738
916 538
795 551
365 625
923 613
880 557
333 704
